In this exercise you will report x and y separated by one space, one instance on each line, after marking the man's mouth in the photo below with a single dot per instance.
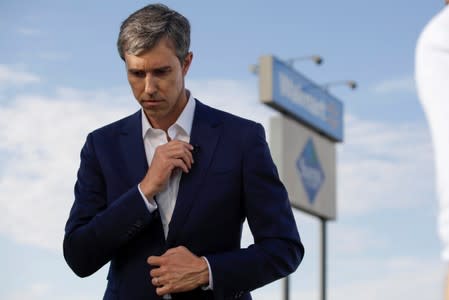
151 101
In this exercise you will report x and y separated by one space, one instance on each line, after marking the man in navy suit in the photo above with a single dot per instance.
162 194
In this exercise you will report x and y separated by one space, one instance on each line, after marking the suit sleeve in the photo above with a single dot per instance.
277 249
96 230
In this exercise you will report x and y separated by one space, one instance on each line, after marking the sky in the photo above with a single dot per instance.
61 77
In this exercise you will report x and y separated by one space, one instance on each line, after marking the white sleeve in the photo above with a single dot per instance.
211 281
150 204
432 83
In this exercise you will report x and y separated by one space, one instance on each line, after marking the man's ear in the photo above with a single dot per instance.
187 62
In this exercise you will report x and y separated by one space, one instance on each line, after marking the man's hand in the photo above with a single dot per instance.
178 270
167 157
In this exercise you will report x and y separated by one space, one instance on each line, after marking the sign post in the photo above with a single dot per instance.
303 143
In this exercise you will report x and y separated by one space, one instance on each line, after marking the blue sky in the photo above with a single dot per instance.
61 77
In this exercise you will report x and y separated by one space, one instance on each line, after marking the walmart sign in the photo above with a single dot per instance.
285 89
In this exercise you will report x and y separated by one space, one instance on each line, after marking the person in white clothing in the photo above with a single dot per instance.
432 82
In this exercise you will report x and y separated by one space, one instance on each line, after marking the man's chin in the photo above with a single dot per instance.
152 105
154 113
151 112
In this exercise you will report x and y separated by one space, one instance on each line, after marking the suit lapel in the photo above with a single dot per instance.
131 142
204 137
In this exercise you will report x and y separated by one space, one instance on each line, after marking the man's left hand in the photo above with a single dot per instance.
178 270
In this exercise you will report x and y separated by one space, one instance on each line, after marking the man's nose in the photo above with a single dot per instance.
150 84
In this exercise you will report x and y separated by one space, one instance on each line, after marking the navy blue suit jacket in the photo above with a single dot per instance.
233 179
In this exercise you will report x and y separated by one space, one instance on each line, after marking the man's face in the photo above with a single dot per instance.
156 77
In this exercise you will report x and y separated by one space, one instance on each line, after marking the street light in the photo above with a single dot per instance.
352 84
317 59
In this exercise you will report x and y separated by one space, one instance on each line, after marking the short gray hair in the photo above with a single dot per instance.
143 29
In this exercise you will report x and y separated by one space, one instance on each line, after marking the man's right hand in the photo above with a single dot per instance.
167 157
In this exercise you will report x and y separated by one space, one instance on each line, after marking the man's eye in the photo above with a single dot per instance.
161 72
137 73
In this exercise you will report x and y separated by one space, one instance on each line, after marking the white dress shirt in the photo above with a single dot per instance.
152 138
432 81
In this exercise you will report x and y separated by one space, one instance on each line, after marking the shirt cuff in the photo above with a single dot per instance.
150 204
211 281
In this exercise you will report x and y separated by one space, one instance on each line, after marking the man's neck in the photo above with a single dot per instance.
165 123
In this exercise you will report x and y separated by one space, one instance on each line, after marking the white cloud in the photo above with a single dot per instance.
41 138
415 279
379 162
401 278
12 76
46 291
382 278
33 292
396 85
352 241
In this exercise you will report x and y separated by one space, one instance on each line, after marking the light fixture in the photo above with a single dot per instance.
352 84
317 59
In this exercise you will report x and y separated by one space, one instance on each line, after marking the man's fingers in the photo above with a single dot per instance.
176 150
190 156
163 287
179 163
155 260
163 290
182 143
178 270
187 157
157 281
181 153
174 250
176 144
157 272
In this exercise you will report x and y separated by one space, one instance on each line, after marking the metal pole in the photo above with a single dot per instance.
323 258
286 288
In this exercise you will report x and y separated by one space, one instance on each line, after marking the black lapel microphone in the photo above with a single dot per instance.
196 149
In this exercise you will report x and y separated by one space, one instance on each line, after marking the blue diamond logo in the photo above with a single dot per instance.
310 171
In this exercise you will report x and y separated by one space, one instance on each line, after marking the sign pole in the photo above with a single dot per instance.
323 258
286 285
306 163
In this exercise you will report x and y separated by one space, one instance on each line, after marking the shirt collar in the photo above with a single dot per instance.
184 120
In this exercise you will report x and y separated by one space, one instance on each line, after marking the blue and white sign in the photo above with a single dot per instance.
306 165
310 170
287 90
